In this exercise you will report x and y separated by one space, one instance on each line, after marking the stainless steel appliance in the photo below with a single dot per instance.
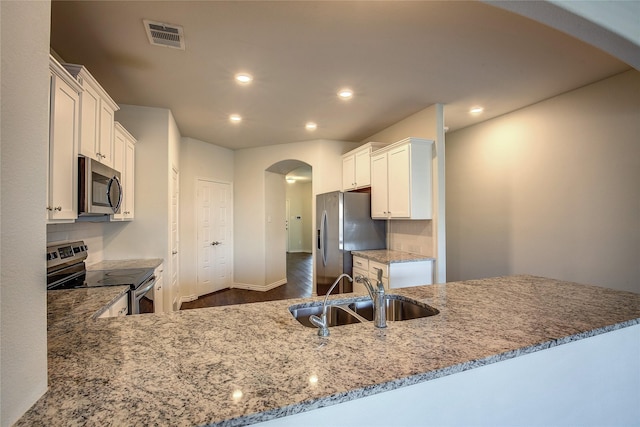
99 189
344 224
66 270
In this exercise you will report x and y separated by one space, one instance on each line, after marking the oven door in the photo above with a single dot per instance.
136 295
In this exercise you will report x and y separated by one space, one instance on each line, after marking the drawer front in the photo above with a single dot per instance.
374 266
361 263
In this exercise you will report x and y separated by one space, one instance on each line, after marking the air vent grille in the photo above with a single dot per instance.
166 35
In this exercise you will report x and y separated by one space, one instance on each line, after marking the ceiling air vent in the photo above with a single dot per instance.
167 35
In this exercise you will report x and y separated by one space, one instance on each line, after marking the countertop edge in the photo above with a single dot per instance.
388 256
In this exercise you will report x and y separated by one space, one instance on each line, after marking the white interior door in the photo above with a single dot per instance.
173 265
214 225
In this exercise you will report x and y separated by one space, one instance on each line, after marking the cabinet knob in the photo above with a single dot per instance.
49 208
216 243
58 208
174 252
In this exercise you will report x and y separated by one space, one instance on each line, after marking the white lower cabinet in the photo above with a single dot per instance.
118 308
158 292
394 274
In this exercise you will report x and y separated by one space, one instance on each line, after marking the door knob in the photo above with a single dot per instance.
216 243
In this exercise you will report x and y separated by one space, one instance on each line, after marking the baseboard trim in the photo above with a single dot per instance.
185 298
261 288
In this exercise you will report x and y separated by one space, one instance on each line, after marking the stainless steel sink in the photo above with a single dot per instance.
336 315
358 310
397 309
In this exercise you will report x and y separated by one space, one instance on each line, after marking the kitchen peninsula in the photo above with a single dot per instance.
238 365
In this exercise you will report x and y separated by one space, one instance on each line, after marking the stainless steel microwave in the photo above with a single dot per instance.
99 189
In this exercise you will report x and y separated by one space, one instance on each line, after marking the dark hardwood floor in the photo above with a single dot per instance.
299 285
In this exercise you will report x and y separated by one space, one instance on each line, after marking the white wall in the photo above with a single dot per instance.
92 233
275 234
249 197
426 237
147 236
300 230
551 189
198 160
24 157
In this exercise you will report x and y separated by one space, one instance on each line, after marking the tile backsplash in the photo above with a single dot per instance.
91 232
411 236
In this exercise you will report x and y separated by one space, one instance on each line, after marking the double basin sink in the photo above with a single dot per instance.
360 309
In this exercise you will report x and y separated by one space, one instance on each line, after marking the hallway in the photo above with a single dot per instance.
299 285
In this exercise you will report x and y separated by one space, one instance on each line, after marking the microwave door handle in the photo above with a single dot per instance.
114 181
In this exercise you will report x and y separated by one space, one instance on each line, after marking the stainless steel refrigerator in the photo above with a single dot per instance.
343 224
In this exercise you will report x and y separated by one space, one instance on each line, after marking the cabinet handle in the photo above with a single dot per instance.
58 208
174 252
49 208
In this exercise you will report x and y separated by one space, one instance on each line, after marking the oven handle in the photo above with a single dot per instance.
145 287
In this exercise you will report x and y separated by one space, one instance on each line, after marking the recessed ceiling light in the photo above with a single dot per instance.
244 78
345 93
311 126
476 110
235 118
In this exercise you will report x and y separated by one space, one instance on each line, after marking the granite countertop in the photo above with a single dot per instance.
236 365
388 256
126 263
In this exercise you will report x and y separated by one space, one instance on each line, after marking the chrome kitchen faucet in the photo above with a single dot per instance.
377 296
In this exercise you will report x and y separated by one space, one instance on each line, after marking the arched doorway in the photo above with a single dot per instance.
289 197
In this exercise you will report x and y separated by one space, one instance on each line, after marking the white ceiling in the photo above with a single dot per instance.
398 57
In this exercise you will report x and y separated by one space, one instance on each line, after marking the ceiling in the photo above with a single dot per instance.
398 57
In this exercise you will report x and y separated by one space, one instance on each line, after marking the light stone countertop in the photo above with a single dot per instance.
388 256
237 365
126 264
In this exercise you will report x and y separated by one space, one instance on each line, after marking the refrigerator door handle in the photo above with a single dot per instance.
323 237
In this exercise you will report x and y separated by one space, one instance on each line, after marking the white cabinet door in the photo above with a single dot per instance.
118 308
399 182
105 139
356 166
379 186
129 178
89 125
158 292
363 168
96 117
359 287
62 203
348 173
124 162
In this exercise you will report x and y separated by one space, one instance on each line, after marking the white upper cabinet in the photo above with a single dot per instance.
97 111
401 183
64 115
124 161
356 166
